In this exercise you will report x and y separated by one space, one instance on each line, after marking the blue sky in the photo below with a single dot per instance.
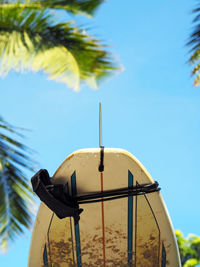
150 109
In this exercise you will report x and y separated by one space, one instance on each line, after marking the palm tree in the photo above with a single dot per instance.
31 39
15 192
194 43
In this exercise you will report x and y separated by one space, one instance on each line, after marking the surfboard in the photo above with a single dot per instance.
134 231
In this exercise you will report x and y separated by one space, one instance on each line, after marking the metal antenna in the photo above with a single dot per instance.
100 127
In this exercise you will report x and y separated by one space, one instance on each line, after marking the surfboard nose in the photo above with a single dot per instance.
130 231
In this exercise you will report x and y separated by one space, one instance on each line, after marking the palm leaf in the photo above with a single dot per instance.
15 191
194 43
31 40
85 7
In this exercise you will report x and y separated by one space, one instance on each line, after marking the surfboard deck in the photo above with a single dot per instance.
134 231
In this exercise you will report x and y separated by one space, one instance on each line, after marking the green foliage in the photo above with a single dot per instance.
15 191
189 249
85 7
30 39
194 43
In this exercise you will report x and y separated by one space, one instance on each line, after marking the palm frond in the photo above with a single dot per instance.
85 7
31 40
194 43
15 191
11 149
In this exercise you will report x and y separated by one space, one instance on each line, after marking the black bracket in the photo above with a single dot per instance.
54 196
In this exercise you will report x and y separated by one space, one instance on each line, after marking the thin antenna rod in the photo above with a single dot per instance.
100 127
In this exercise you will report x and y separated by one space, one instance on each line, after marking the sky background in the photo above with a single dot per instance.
150 109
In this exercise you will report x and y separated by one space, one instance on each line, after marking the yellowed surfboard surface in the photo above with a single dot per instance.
134 231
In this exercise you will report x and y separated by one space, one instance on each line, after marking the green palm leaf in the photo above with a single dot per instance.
31 40
194 43
85 7
15 191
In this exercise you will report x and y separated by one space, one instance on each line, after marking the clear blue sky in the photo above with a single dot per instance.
151 109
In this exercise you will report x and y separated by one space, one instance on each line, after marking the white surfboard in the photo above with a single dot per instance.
133 231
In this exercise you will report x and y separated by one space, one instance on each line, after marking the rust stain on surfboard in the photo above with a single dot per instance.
92 253
148 250
149 254
60 253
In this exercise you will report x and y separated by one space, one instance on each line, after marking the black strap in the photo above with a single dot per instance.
64 205
117 193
